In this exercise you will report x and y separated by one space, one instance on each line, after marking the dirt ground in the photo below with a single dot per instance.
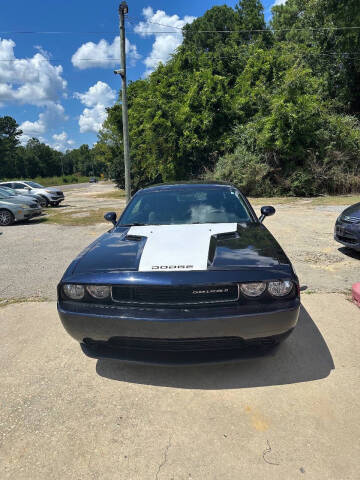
293 413
38 252
306 234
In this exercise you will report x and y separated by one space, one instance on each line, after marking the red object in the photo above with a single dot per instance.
356 293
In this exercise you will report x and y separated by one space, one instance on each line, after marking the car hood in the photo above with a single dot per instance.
6 204
21 199
181 248
352 211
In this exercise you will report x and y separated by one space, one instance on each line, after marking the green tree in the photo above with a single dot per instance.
9 141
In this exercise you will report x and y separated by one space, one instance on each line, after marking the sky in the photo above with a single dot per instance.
57 59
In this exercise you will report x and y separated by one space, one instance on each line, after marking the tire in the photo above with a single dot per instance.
6 218
43 202
46 202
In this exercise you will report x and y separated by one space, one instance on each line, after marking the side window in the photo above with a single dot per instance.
19 185
6 185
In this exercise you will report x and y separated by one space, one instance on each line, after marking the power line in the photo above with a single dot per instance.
98 32
153 23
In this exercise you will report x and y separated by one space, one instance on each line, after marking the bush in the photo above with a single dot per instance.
244 169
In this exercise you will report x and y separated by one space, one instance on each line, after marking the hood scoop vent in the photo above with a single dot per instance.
226 236
133 238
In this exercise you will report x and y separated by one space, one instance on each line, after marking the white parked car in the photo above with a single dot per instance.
51 196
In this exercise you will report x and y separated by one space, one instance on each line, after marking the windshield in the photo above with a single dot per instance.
34 185
8 190
5 194
186 206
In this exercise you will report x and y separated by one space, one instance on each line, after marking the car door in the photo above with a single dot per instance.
21 188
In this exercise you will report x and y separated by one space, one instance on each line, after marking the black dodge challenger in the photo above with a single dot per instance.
188 273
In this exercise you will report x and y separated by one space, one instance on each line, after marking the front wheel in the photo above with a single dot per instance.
6 218
46 202
43 202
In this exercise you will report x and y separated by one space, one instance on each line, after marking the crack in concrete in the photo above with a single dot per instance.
165 458
266 452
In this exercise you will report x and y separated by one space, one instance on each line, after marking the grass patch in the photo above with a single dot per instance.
261 201
336 200
77 218
323 200
4 302
114 194
54 181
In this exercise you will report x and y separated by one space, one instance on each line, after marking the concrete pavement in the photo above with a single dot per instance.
292 414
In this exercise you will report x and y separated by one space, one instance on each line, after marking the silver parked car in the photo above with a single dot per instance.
14 197
29 195
12 210
52 196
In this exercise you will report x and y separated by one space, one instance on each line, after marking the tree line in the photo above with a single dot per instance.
36 159
275 111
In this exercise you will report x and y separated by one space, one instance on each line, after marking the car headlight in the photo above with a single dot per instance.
253 289
280 288
49 191
75 292
98 291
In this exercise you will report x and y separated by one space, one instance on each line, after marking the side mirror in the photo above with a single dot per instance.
28 189
266 212
110 217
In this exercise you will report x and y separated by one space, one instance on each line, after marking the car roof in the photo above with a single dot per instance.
186 185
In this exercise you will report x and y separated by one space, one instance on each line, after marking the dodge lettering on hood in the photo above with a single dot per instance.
187 274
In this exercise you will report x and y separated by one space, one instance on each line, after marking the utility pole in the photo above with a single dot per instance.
123 10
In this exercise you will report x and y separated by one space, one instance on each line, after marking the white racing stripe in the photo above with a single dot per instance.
178 247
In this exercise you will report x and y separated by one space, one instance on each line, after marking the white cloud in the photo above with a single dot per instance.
96 99
164 44
62 142
279 2
53 115
28 80
102 54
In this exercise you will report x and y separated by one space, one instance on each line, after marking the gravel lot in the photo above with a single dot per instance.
37 253
291 414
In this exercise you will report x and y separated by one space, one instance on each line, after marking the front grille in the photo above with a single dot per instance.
59 193
349 240
180 295
173 345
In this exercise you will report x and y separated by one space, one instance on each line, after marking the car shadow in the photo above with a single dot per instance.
39 219
349 253
303 357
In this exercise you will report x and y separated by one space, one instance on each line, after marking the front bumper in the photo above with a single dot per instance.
348 235
118 332
56 198
22 214
35 212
